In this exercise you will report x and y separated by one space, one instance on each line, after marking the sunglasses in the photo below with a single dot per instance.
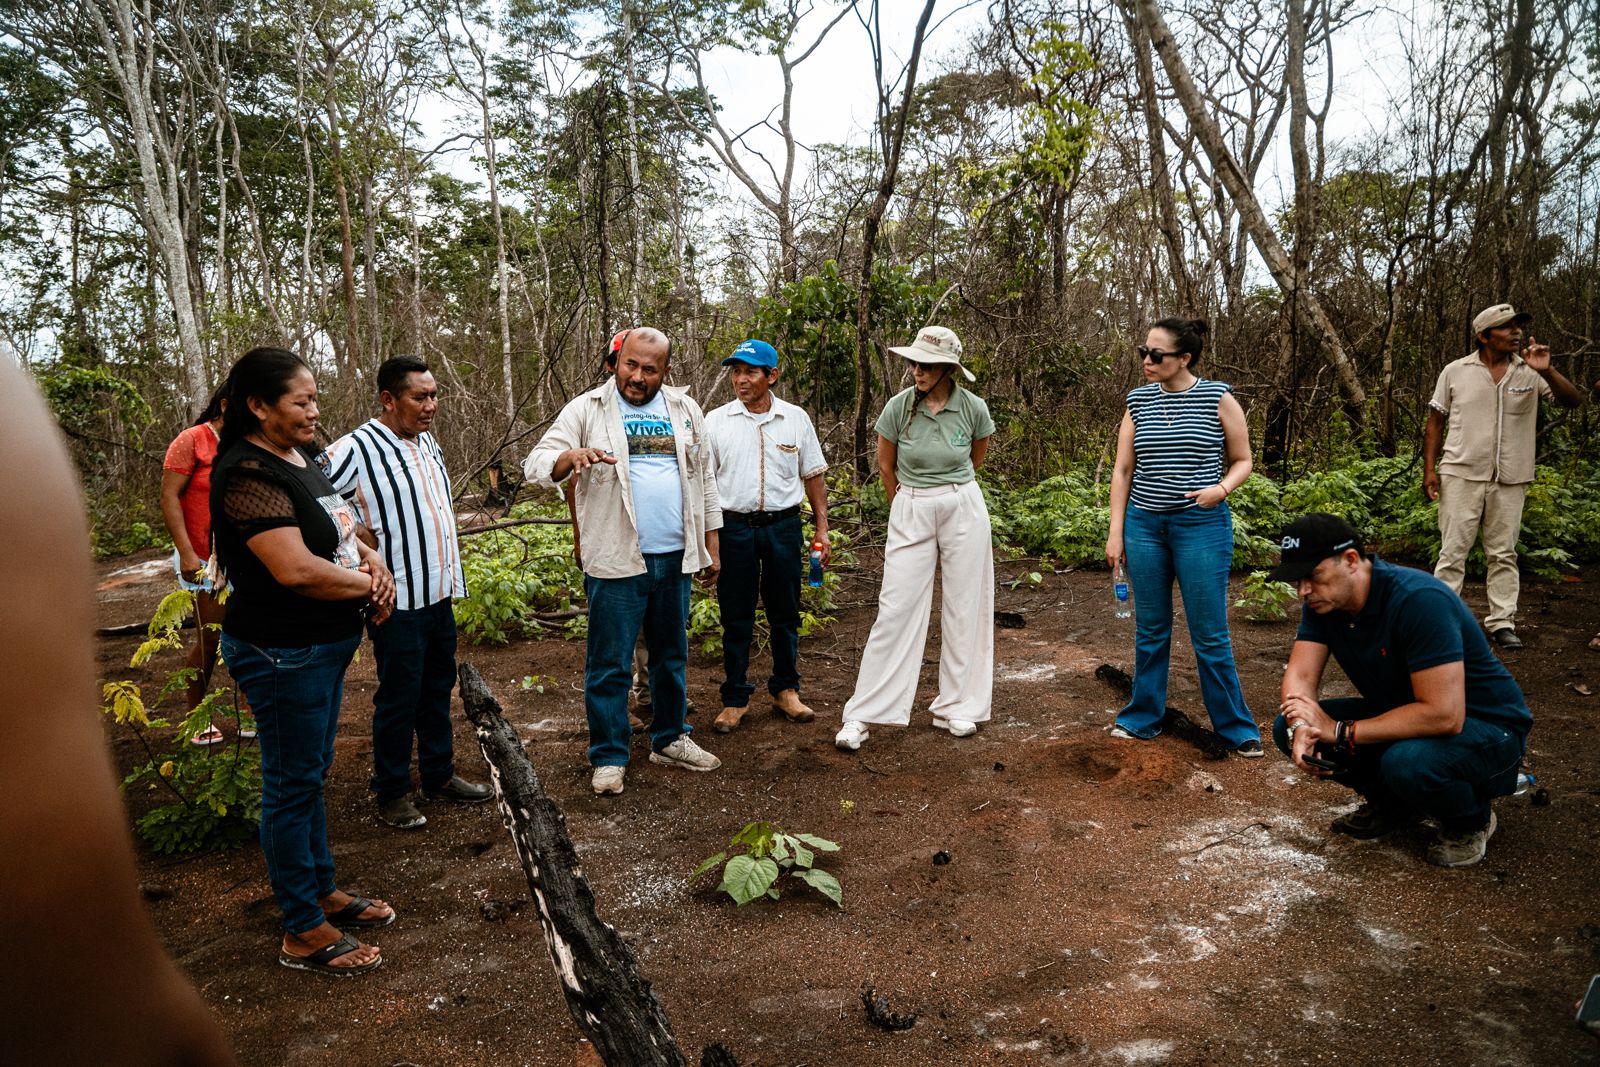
1154 355
927 368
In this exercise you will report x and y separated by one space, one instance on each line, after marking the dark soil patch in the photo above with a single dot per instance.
1102 902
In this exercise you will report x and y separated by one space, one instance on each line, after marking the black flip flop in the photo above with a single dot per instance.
321 960
349 915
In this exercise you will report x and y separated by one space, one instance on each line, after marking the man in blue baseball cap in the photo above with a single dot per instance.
766 456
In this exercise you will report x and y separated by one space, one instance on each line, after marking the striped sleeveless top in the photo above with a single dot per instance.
1177 443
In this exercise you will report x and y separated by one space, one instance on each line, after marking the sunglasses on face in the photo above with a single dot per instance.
926 368
1154 355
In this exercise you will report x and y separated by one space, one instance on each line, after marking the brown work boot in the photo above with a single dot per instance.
729 720
788 702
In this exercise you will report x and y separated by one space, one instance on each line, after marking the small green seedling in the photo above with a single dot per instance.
1265 601
768 851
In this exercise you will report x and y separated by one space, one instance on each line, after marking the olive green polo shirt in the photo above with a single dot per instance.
1492 426
934 449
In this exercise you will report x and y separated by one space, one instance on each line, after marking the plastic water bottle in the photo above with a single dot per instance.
1123 608
1525 783
815 581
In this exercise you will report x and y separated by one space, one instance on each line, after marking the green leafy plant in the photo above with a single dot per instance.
767 852
1265 601
216 789
514 574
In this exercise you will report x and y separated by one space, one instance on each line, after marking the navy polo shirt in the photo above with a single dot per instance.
1410 622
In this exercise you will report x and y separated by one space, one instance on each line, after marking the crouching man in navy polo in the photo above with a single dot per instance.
1440 726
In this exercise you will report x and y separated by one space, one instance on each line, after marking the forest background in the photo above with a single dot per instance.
499 187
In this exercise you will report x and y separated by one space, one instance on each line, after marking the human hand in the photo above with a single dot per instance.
1430 485
1114 553
582 459
1537 356
382 593
821 538
1209 497
190 565
1308 725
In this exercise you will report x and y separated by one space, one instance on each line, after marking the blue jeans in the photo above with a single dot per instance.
764 560
657 601
415 656
295 695
1450 778
1195 546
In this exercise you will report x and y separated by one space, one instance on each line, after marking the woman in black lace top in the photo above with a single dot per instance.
301 584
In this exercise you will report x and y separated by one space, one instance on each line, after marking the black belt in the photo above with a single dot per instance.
757 519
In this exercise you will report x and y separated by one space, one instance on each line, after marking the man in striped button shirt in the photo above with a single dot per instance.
392 470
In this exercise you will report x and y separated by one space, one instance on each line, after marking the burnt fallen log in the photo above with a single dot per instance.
609 998
1174 722
138 629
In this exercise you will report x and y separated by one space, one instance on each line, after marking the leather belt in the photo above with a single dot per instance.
758 519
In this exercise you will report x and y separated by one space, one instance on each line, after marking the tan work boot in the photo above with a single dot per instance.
788 702
729 720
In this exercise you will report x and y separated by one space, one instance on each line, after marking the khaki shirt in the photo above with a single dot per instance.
1492 428
605 491
933 450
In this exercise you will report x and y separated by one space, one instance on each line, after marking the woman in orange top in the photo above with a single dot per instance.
186 507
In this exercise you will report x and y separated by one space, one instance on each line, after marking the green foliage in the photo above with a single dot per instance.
812 321
216 788
1065 517
1265 601
80 397
515 572
766 852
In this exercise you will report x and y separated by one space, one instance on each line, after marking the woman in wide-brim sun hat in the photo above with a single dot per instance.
932 438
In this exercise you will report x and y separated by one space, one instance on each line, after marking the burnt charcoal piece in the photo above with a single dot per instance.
879 1013
1174 722
1010 620
941 858
498 911
715 1055
1541 798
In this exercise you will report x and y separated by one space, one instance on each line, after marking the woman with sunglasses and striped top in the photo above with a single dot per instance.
1182 448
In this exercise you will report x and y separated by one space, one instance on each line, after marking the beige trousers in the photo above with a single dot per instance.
1464 506
945 527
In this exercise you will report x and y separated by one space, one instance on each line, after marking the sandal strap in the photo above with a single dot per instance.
325 955
351 911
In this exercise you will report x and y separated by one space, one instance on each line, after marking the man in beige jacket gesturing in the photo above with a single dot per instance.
647 505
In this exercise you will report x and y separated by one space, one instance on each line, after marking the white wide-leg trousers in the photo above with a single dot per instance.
946 526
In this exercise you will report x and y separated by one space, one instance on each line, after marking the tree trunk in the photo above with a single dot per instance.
130 55
892 124
1160 180
1251 216
610 1000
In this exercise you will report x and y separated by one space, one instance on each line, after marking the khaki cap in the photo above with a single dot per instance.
1499 315
935 344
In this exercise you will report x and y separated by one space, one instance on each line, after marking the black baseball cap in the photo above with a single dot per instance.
1309 540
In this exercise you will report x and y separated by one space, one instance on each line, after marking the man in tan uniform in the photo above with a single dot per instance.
1490 398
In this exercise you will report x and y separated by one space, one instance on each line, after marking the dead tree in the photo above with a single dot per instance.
609 998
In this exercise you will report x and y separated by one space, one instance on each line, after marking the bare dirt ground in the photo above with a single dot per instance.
1104 902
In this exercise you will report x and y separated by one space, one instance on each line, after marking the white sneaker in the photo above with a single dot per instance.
851 735
686 754
957 727
608 779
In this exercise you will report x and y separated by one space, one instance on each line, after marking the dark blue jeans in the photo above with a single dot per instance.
765 561
1195 546
655 601
415 656
295 695
1450 778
